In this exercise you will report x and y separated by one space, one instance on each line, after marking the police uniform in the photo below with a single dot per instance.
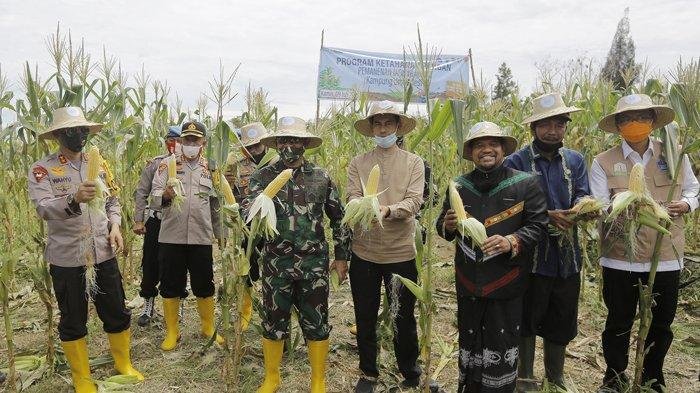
185 239
78 235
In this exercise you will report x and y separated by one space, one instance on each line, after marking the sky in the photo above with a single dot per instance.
277 42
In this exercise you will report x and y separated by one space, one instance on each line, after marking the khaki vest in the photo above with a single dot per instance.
658 179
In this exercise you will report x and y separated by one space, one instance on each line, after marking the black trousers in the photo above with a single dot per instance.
69 287
621 295
150 273
366 282
550 308
176 260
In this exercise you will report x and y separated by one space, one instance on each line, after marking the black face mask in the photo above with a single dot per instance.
73 139
546 147
290 154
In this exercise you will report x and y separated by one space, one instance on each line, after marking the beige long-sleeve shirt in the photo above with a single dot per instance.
197 221
402 175
74 231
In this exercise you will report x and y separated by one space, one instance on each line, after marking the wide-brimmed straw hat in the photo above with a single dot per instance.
485 129
69 117
637 102
293 127
406 122
549 105
252 133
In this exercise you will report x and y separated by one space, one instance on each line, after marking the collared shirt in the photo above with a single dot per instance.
75 232
564 180
197 220
689 194
402 177
143 188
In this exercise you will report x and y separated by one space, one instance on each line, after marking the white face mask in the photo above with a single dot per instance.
191 151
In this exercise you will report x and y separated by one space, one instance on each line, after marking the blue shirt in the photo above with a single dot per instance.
564 180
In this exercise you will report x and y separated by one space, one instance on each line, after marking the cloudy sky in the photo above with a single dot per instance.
277 42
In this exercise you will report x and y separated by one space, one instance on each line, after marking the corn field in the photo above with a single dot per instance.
137 110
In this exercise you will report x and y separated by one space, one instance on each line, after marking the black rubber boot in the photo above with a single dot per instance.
554 355
526 359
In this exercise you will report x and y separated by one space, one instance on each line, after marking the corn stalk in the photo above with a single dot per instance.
6 278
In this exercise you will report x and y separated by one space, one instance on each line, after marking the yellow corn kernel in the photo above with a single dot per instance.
172 167
637 183
94 163
226 190
276 185
372 181
456 202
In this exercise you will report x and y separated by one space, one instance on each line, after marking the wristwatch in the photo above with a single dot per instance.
72 203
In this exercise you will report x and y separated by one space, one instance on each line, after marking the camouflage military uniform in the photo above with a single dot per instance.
295 262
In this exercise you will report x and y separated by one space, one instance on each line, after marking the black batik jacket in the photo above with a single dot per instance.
509 203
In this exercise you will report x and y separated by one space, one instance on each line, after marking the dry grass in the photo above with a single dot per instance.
187 370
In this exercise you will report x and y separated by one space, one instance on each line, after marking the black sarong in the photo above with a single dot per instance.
489 331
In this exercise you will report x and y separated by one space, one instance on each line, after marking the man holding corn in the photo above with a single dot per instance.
151 229
634 118
388 247
295 268
491 269
238 175
550 305
184 193
82 236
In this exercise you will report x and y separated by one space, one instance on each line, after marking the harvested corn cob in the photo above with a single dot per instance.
638 208
263 208
467 226
175 183
365 210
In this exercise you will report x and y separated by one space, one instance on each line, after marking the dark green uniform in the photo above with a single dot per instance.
295 262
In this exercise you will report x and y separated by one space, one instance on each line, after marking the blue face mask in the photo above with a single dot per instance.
385 141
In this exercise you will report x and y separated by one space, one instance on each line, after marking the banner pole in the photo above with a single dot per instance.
318 99
471 65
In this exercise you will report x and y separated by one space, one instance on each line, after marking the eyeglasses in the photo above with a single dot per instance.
627 117
75 131
289 140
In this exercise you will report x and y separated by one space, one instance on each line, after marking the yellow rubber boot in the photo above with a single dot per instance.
120 344
205 308
246 310
171 306
272 352
318 352
79 362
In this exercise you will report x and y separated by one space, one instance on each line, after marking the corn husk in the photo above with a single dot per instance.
467 226
230 206
584 207
635 207
364 211
175 183
263 208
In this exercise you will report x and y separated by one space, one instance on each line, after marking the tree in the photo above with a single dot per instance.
620 67
505 85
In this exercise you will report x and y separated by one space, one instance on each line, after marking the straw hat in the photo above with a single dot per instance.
406 123
293 127
636 102
549 105
487 129
252 133
68 117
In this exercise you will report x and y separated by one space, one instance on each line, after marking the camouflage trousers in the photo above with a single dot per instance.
284 288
